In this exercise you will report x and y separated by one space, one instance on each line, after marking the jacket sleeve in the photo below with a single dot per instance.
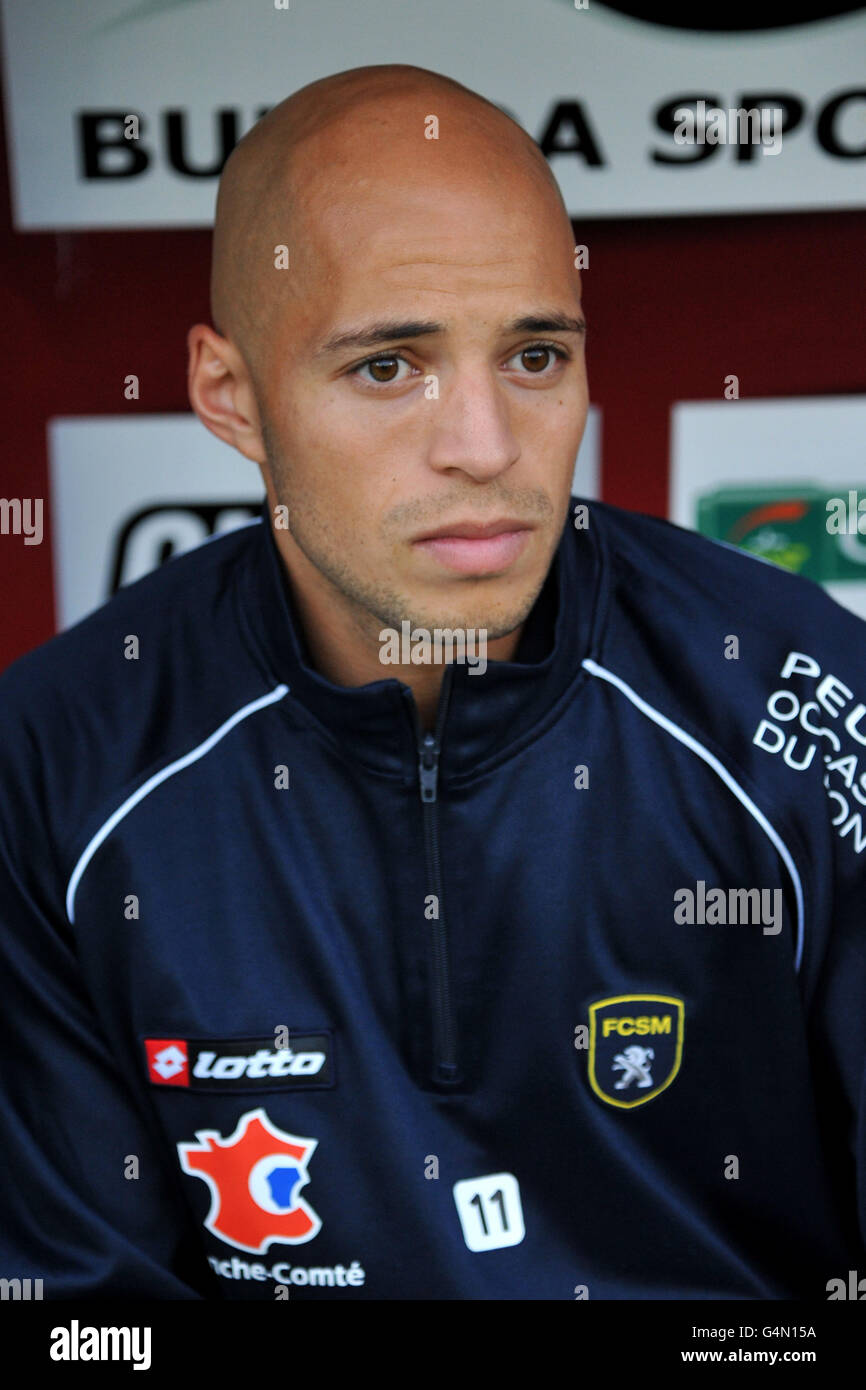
72 1213
837 1016
839 1020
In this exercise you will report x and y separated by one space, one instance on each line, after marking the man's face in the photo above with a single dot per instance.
372 447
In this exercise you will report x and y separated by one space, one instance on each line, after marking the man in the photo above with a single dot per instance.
537 976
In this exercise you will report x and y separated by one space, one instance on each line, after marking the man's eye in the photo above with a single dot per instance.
536 357
383 368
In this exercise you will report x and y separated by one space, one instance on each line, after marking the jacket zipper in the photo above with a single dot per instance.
445 1064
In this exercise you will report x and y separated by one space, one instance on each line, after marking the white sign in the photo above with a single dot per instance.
128 493
598 90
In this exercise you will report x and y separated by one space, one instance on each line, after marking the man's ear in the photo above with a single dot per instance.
221 393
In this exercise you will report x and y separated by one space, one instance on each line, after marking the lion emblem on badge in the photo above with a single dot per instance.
633 1062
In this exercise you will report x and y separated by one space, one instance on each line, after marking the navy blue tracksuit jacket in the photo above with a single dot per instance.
566 998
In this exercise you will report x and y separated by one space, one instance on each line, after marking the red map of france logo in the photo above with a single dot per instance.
254 1177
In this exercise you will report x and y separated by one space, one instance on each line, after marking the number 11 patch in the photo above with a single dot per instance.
490 1211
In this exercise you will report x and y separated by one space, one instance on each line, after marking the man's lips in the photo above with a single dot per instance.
475 530
470 548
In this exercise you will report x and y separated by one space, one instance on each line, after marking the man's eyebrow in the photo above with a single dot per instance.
546 323
389 330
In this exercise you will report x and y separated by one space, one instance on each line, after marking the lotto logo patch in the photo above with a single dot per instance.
241 1064
167 1061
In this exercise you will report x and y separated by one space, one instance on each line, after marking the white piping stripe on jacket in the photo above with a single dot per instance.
177 766
713 762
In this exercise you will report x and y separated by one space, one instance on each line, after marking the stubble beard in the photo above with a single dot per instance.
374 603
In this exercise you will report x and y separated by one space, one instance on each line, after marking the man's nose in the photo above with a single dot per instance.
472 429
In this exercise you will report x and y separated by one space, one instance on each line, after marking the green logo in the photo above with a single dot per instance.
794 525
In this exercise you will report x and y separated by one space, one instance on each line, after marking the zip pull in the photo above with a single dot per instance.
428 767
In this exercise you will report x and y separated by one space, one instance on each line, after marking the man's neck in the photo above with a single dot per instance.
342 653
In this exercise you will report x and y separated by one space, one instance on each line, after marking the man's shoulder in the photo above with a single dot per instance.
699 582
128 691
171 617
753 668
139 682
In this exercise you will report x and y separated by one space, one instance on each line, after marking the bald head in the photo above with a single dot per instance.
415 360
331 145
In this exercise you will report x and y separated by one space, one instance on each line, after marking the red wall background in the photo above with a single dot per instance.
674 305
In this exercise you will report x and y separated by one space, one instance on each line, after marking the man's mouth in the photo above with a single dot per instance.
472 548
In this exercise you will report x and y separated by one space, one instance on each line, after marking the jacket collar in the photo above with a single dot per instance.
487 716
